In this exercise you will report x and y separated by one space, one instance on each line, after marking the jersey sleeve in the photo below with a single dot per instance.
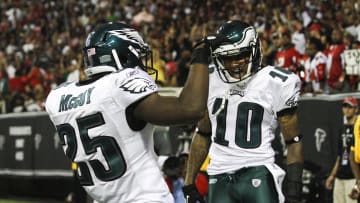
132 85
289 93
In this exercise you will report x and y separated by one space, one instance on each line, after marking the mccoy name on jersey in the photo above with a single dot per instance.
115 159
244 117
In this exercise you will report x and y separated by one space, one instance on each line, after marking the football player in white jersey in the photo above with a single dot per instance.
246 104
105 122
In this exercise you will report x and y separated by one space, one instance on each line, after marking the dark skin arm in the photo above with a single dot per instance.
198 150
295 159
189 107
331 178
289 129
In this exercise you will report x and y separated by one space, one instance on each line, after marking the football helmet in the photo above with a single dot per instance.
241 57
116 46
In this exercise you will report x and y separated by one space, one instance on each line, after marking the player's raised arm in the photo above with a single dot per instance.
190 106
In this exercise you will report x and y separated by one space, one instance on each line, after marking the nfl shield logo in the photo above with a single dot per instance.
256 182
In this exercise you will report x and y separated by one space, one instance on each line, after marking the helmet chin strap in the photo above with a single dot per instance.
248 71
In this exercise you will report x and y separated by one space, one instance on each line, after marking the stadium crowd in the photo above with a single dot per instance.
41 41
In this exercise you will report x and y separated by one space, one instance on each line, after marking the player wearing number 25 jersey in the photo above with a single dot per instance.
246 104
105 122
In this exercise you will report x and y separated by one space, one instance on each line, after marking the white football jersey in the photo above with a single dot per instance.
115 162
311 69
244 117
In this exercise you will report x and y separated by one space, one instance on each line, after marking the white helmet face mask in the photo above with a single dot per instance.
240 59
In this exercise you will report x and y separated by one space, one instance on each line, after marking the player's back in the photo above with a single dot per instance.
115 158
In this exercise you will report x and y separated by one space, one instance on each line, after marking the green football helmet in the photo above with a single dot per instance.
242 54
116 46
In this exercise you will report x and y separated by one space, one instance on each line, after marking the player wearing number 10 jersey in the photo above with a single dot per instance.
246 104
105 122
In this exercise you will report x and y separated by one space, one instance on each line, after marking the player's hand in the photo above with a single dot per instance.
204 48
191 194
212 42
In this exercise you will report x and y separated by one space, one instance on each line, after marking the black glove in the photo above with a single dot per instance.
202 49
292 192
293 187
213 41
191 194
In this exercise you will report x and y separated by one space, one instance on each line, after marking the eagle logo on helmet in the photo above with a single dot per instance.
128 34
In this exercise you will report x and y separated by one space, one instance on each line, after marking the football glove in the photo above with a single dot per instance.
191 194
204 48
293 183
213 41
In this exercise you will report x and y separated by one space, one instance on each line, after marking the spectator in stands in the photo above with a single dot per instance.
170 69
47 30
4 78
17 102
35 99
287 56
336 74
73 69
341 178
350 77
159 65
173 170
298 37
314 66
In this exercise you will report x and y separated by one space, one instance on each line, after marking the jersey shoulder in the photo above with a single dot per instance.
283 85
134 81
278 76
130 85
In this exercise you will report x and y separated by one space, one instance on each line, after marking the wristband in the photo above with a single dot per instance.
295 139
202 133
